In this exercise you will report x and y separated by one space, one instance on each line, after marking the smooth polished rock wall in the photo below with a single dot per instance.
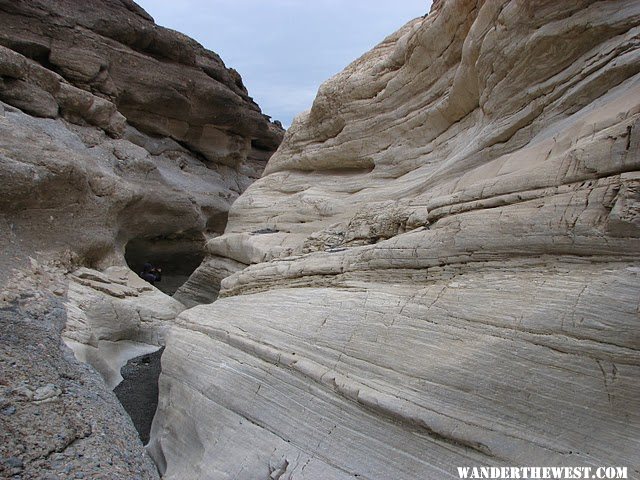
441 264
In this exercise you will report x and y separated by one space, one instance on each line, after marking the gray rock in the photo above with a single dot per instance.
82 427
14 462
47 392
23 391
7 411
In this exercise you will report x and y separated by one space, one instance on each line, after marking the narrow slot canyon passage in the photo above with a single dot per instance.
138 391
178 255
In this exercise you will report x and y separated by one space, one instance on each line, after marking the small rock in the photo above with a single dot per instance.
48 392
14 462
35 266
8 411
88 274
264 231
24 391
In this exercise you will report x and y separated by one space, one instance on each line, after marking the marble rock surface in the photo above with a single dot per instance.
113 316
440 266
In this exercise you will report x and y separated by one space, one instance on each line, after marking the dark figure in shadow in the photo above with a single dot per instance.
151 274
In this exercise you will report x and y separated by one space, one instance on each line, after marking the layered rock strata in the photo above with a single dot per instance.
440 266
120 142
118 132
114 316
126 129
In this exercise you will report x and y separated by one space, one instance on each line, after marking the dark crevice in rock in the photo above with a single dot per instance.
138 391
217 223
262 145
35 51
178 255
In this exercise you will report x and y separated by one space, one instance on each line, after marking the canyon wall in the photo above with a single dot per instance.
440 266
120 142
116 128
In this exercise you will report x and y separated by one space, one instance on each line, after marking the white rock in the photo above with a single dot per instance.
46 393
109 323
503 331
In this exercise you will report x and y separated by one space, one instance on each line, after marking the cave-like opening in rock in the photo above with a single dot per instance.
178 255
138 391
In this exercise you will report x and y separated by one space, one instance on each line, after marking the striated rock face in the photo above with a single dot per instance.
140 132
114 316
163 82
440 266
121 142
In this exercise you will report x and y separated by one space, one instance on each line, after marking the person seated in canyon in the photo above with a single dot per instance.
150 273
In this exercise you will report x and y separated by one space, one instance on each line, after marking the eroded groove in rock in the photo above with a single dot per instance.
472 299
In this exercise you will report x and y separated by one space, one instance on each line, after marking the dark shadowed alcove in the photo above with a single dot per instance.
178 255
